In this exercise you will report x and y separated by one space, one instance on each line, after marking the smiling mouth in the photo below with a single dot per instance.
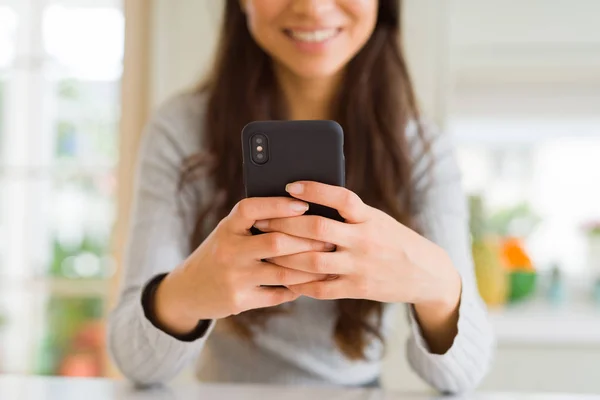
315 36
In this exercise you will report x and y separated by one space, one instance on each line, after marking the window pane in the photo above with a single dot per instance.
2 129
66 217
85 70
82 215
86 123
96 51
8 29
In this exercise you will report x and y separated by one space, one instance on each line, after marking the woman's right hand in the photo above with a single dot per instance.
225 275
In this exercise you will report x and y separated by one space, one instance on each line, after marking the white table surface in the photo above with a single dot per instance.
38 388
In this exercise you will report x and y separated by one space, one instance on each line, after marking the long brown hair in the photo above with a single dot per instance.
374 106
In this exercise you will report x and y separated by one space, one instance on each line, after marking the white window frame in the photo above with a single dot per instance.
25 178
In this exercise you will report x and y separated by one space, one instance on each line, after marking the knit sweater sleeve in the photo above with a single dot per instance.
161 223
442 214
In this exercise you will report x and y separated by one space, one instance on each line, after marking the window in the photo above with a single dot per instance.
544 163
59 113
523 107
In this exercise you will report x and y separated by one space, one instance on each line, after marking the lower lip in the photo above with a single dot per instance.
313 47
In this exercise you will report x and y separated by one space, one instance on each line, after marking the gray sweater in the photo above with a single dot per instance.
294 348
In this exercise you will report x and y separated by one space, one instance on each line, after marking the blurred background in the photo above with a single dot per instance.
516 82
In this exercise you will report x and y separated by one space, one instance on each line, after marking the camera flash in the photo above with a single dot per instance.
259 148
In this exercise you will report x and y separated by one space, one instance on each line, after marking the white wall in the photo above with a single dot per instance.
184 36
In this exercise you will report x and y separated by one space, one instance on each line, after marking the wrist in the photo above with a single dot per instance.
169 310
437 312
438 319
445 288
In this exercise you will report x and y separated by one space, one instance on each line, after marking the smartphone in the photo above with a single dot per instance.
280 152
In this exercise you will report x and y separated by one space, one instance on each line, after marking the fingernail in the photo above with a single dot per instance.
295 188
261 224
329 246
299 206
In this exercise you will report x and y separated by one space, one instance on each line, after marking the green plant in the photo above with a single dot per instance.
518 220
66 139
61 253
65 317
592 229
69 89
477 217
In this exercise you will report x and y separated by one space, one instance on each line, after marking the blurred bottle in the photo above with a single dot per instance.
556 289
489 271
592 233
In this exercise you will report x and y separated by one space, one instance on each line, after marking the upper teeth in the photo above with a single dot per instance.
314 36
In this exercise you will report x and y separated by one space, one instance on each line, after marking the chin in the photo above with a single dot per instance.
313 70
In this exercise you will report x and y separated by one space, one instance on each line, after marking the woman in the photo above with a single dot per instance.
192 262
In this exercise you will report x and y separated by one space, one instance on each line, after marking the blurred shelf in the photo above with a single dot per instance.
575 323
56 286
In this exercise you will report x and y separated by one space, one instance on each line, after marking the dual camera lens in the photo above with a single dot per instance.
260 149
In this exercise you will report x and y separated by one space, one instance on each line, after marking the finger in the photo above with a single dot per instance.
323 290
263 297
316 263
311 227
275 244
248 211
348 204
275 275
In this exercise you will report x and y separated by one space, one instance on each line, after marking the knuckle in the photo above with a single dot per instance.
320 291
320 226
404 258
282 274
237 302
276 242
350 200
282 206
221 225
319 263
244 208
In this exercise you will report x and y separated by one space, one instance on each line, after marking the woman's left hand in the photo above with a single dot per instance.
377 258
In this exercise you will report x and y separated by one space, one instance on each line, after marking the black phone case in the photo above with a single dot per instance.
297 151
